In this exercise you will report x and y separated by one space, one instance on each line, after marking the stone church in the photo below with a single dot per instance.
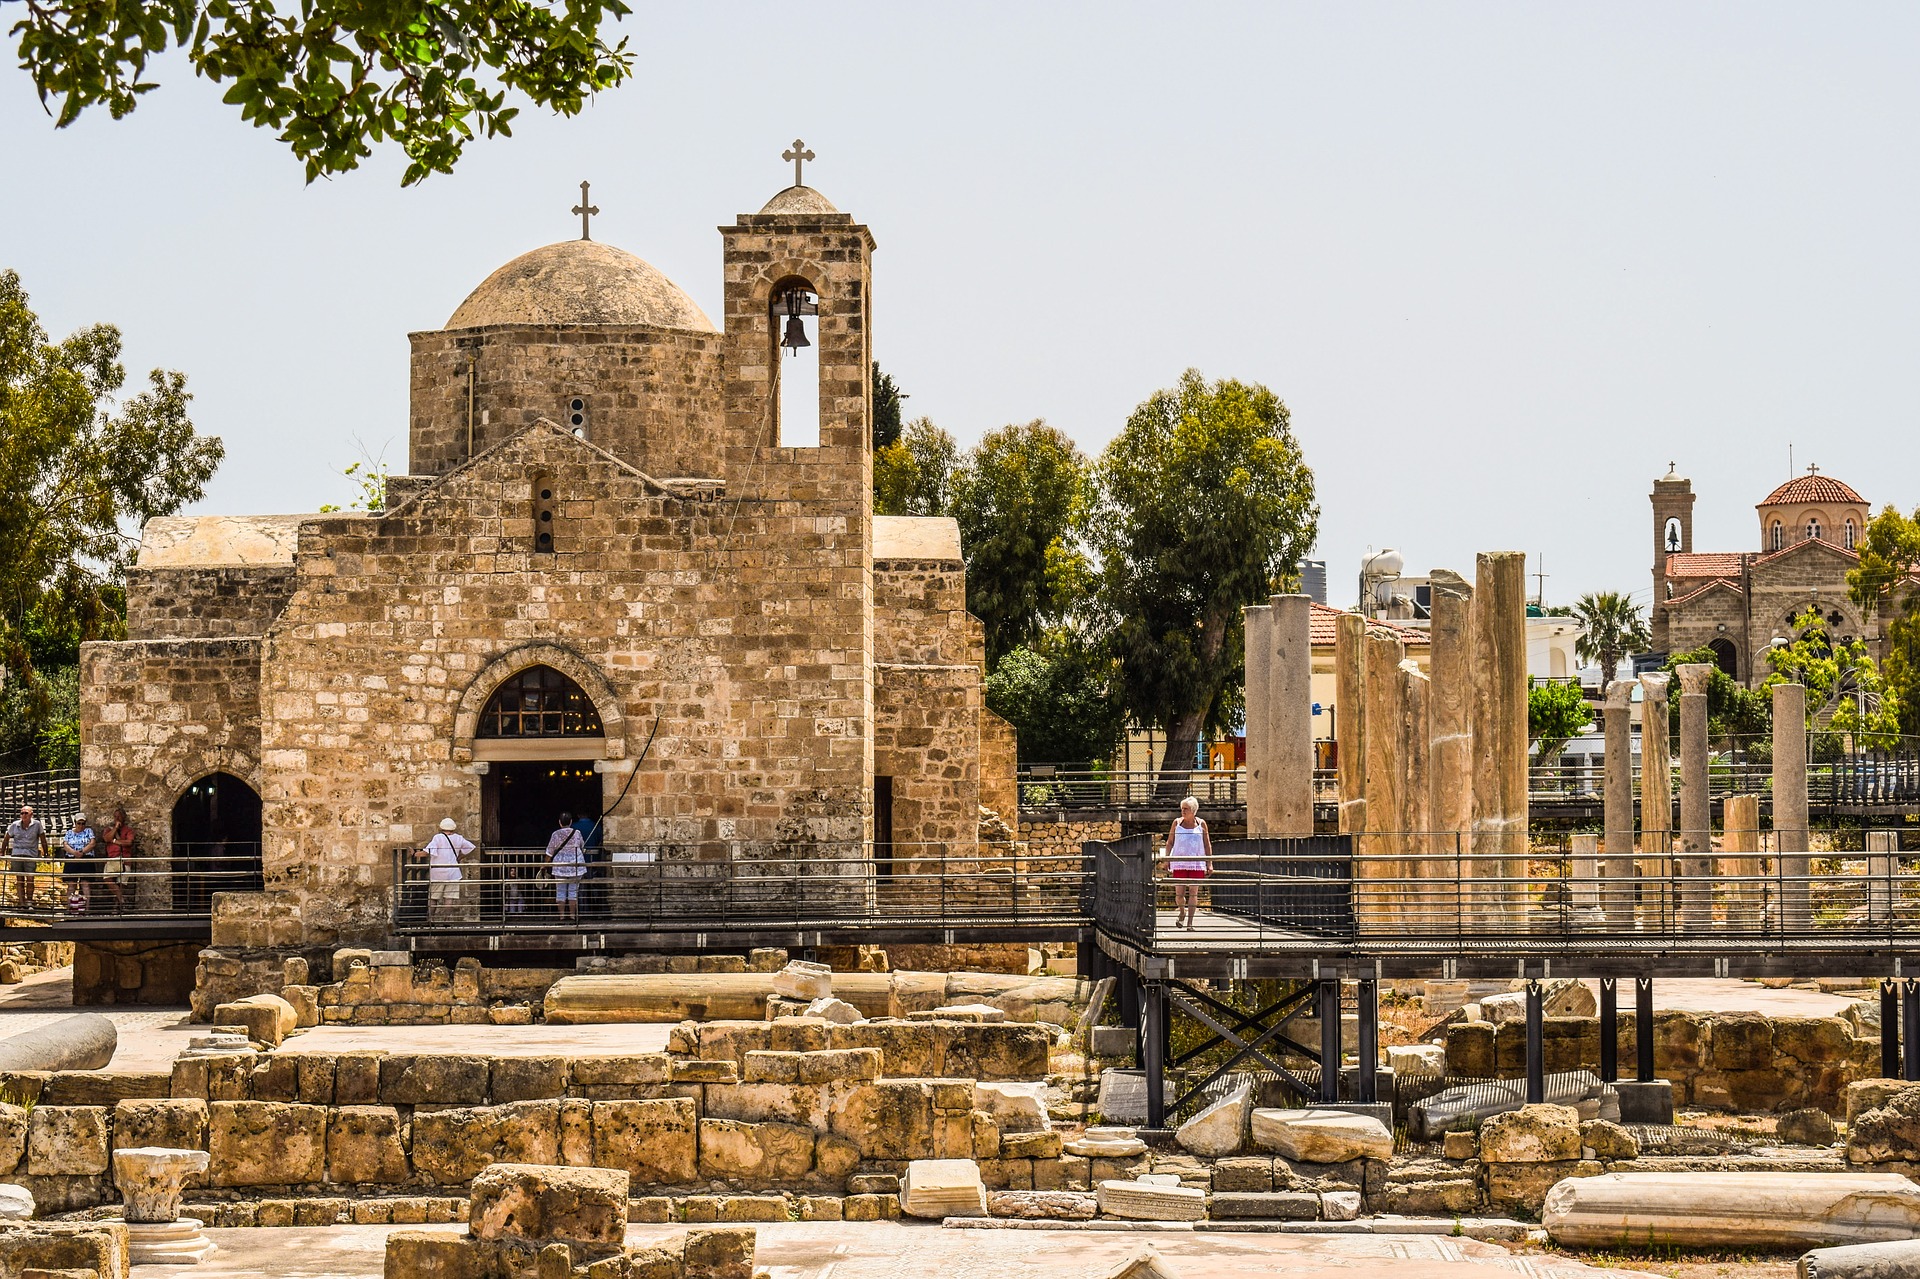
1737 602
614 582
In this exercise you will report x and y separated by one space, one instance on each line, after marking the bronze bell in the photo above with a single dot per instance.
796 335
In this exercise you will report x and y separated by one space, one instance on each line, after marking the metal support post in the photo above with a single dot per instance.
1128 989
1329 1009
1369 994
1643 1028
1154 1033
1609 1030
1536 1050
1890 1030
1910 1030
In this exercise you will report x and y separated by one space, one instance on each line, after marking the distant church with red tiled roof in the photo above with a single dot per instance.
1738 602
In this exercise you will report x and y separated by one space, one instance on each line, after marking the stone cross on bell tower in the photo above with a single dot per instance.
585 211
799 154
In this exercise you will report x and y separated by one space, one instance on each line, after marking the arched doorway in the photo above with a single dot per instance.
215 841
1726 656
540 734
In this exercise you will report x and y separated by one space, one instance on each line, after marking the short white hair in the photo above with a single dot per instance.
1189 802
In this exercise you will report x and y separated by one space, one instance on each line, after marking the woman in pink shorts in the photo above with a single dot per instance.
1189 854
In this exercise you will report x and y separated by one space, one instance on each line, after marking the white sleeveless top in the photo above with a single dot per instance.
1189 847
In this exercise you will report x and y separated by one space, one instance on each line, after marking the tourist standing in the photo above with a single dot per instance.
82 864
119 864
1189 854
567 858
444 852
26 845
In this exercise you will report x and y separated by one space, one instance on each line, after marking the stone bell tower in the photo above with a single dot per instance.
1672 535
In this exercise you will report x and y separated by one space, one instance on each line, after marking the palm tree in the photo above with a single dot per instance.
1614 628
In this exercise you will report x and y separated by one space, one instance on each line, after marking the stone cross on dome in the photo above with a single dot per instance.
1813 468
585 211
799 154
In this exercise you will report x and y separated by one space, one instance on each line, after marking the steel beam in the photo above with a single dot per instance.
1643 1029
1890 1030
1330 1040
1154 1058
1609 1030
1368 1077
1536 1049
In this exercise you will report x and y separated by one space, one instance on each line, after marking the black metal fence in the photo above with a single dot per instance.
55 797
56 888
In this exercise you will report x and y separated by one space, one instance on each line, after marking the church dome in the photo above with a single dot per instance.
799 200
579 282
1813 487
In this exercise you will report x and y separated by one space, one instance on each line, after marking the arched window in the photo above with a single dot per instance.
1849 535
1726 656
1779 536
1813 530
794 309
540 702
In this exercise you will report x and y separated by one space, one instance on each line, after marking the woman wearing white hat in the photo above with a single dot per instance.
444 852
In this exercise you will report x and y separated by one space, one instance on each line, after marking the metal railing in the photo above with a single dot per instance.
720 886
55 797
1048 786
57 888
1429 889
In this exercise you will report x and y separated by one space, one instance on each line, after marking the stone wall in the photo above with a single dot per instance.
926 737
1716 1061
133 972
662 414
1048 838
206 603
999 766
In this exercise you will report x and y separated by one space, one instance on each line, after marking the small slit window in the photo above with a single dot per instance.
1779 537
1813 530
545 504
577 415
1850 535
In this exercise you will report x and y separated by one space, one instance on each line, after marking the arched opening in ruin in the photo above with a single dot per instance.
215 842
539 734
1726 656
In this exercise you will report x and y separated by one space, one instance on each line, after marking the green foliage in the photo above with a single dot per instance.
887 397
82 467
333 76
1062 697
1204 504
1884 581
1733 710
369 476
1557 712
1840 677
1017 499
914 474
1614 629
40 721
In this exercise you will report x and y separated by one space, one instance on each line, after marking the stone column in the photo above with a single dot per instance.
1883 863
1450 727
1350 719
1500 739
1740 862
1258 621
1656 805
1380 849
1616 893
1694 885
150 1179
1583 869
1429 903
1290 716
1790 842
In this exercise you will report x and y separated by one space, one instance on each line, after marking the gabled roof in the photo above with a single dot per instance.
1717 584
1812 487
1802 545
1322 629
1704 564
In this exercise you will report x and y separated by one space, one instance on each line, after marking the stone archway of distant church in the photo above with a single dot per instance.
473 700
1726 656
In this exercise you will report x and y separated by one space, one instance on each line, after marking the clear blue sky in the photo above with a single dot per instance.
1502 261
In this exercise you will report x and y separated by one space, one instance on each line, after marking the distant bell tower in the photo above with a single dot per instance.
1672 535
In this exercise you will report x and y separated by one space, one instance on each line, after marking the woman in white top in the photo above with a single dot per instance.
444 853
567 858
1189 854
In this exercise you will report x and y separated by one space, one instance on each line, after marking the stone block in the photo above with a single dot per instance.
356 1079
686 1071
527 1078
806 1104
718 1254
1438 1197
549 1204
93 1247
275 1077
1243 1175
803 980
173 1124
939 1188
820 1208
452 1146
834 1065
13 1137
1460 1145
433 1079
1523 1187
890 1119
1806 1127
764 1208
838 1011
1013 1051
103 1087
1645 1103
420 1254
619 1069
756 1154
266 1143
1221 1128
364 1146
1279 1205
1871 1094
1123 1096
654 1141
1042 1205
1014 1107
1600 1139
1341 1205
1321 1136
871 1207
1532 1135
731 1040
313 1079
800 1035
771 1068
67 1141
1141 1201
1030 1145
268 1019
874 1183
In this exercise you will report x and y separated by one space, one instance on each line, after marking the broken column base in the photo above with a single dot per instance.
1895 1260
180 1242
1649 1102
